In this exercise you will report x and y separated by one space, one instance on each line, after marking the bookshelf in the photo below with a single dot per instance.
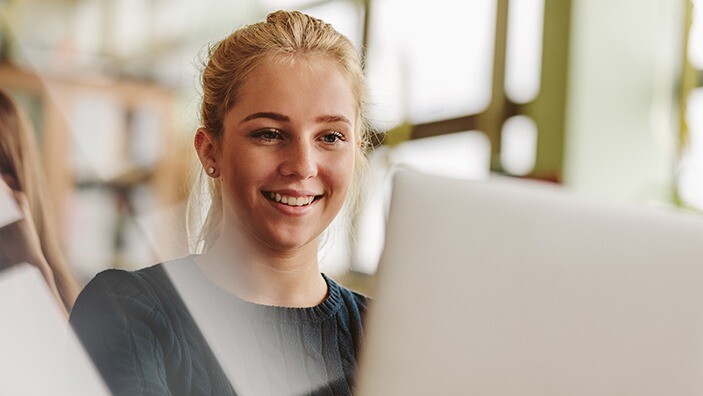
115 162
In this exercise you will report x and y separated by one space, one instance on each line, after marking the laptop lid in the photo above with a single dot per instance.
39 353
516 288
9 211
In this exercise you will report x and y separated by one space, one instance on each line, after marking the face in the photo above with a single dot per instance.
286 157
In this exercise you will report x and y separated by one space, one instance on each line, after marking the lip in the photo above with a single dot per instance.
293 210
293 193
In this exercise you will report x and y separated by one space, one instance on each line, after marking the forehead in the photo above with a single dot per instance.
299 87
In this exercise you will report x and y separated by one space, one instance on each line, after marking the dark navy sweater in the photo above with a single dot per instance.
140 330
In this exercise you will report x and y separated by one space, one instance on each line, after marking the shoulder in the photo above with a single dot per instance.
349 298
354 297
129 293
115 283
135 328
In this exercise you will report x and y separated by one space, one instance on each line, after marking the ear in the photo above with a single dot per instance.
206 147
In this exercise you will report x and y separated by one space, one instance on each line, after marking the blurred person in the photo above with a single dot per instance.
282 146
33 239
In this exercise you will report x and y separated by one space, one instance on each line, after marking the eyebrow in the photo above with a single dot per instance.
333 118
284 118
265 114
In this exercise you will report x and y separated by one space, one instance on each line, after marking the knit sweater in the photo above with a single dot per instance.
140 330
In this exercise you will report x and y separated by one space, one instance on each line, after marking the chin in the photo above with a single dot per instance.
283 243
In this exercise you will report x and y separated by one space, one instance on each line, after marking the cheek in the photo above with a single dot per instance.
343 171
240 174
243 166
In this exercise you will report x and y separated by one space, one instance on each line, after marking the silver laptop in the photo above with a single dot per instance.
518 288
39 353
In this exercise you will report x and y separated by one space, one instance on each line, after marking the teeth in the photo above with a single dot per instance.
291 201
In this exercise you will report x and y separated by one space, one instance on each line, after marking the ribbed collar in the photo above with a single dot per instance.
186 270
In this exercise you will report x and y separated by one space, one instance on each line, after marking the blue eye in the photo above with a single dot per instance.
267 134
333 137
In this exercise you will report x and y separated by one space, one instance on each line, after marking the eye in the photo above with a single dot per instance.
333 137
267 135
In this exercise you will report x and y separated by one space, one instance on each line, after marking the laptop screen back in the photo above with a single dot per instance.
517 288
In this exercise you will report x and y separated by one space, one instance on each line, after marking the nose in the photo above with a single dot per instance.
300 160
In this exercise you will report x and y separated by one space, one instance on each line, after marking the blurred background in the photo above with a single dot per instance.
604 97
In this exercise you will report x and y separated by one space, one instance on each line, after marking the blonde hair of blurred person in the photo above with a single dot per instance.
33 239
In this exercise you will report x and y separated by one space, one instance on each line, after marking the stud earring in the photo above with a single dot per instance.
210 170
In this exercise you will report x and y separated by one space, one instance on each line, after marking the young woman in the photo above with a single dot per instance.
282 143
33 239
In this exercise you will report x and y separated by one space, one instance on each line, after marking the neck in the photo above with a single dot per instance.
263 275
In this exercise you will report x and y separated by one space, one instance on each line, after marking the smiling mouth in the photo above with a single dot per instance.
290 200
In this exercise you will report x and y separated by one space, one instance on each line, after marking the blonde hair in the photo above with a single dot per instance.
283 36
20 160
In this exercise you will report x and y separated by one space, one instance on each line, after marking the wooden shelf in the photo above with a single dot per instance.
68 109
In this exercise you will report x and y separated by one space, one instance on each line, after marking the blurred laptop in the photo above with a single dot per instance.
517 288
9 212
39 353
